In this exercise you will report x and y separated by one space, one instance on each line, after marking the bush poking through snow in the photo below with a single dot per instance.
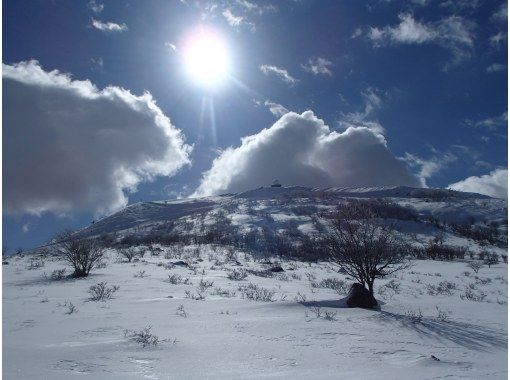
237 274
471 295
475 266
256 293
176 279
339 286
203 285
143 337
35 263
444 288
181 312
414 316
71 309
82 254
56 275
442 315
140 274
102 292
128 253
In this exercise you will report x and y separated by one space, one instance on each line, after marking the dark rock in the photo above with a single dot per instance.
359 296
5 263
276 269
433 357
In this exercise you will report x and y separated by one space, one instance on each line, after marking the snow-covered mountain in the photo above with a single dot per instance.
423 213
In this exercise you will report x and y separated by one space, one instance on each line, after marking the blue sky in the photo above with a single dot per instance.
426 79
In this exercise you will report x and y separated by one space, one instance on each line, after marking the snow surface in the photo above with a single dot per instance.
305 332
234 338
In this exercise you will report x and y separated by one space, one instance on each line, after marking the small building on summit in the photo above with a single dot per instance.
276 183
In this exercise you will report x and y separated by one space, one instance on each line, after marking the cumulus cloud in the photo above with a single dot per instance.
302 150
494 184
318 66
69 146
453 33
109 26
279 73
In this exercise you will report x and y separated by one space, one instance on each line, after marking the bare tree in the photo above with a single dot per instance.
128 253
364 246
82 254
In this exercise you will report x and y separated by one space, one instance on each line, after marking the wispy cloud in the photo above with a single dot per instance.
372 101
489 123
279 72
318 66
232 19
453 33
276 109
427 167
496 67
171 46
95 6
109 26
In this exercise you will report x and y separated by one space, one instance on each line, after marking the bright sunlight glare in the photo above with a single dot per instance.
206 57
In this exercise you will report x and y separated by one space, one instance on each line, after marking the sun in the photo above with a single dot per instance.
206 57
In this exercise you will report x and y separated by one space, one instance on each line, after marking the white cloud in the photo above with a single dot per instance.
95 6
258 8
25 227
501 13
490 123
276 109
496 67
318 65
73 147
494 184
171 46
232 19
356 33
302 150
429 167
373 101
453 33
109 26
497 39
279 72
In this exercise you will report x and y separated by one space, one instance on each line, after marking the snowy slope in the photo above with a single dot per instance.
226 336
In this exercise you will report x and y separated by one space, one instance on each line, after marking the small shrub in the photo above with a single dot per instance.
203 285
443 288
71 309
57 275
442 315
414 316
35 263
181 312
102 292
140 274
176 279
339 286
257 293
223 292
471 295
237 274
475 266
143 337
